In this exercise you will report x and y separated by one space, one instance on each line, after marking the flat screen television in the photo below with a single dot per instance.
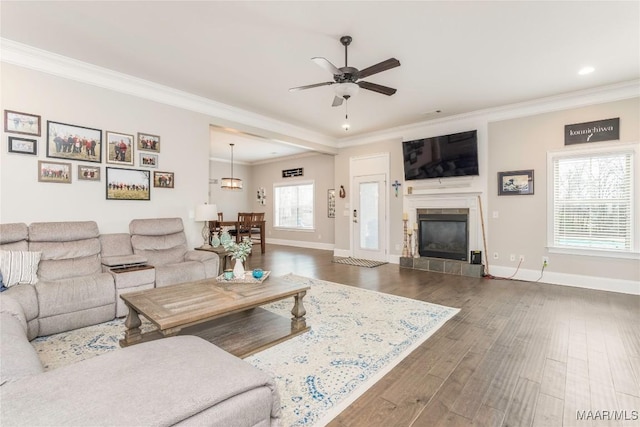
441 156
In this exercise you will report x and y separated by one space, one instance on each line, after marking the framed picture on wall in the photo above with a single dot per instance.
148 160
515 183
73 142
148 142
331 203
88 173
128 184
23 145
54 172
120 148
24 123
163 179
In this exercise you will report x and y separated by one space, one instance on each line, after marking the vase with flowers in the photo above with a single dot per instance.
239 252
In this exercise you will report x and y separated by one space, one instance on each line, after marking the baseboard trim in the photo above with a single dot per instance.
341 252
574 280
301 244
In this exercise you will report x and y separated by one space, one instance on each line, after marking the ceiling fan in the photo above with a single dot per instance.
347 78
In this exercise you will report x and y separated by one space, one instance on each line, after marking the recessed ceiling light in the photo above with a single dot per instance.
586 70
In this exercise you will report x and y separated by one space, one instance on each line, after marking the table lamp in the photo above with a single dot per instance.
206 213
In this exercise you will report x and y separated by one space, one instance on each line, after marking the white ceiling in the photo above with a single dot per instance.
456 56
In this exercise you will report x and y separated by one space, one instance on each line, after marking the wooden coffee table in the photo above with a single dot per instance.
226 314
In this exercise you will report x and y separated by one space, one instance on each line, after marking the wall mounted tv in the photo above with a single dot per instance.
441 156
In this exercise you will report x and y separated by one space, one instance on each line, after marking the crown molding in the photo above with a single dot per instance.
26 56
592 96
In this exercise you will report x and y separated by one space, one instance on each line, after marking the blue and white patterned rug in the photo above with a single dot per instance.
356 337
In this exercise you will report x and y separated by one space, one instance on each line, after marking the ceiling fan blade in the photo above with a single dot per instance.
337 101
324 63
293 89
385 90
378 68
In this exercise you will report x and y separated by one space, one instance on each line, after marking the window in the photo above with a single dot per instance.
592 200
293 205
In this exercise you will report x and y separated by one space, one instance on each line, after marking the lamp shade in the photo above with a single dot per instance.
231 183
206 212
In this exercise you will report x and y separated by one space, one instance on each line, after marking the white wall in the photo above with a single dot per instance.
521 224
318 168
184 151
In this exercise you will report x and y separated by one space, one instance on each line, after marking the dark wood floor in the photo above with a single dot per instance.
517 354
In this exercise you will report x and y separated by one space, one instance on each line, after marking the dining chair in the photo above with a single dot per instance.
256 217
243 227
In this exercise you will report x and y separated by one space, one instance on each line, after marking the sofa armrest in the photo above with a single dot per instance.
201 256
119 260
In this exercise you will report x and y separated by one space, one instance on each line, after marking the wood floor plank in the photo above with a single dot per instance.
549 411
502 388
522 407
554 379
488 417
439 406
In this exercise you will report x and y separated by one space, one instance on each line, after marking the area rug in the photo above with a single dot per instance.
357 262
356 337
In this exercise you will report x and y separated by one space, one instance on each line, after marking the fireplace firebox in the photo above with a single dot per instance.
443 236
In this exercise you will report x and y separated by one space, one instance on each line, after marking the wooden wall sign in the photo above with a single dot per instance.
288 173
600 130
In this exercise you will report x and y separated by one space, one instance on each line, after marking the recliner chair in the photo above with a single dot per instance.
163 243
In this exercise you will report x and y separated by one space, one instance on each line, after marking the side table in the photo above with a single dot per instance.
225 257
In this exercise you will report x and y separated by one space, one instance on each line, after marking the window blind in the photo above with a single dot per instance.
592 201
293 205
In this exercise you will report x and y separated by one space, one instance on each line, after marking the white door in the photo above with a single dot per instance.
368 217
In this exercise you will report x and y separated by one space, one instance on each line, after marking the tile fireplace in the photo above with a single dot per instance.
448 229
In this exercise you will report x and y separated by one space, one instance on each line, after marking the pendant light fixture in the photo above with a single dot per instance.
346 124
232 183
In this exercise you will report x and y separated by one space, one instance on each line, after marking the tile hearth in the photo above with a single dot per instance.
439 265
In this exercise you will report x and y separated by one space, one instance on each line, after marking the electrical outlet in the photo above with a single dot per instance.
521 258
545 261
512 257
495 255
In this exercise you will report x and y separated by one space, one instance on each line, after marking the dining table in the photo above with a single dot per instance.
236 224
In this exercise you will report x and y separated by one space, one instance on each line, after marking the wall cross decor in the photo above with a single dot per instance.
396 185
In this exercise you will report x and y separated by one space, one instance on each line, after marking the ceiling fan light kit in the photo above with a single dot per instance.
347 78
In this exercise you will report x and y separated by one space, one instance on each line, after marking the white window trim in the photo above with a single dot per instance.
594 149
288 184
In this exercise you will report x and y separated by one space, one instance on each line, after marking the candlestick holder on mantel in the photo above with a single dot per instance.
416 251
405 244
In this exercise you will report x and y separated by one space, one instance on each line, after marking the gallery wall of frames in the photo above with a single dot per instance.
77 150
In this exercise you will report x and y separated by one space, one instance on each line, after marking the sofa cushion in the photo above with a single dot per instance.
159 250
189 271
62 231
14 236
75 294
115 244
156 226
19 267
162 382
19 358
61 260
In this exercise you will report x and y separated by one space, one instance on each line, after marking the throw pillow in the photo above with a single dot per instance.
19 267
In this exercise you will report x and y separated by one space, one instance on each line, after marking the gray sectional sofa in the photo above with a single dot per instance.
178 380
